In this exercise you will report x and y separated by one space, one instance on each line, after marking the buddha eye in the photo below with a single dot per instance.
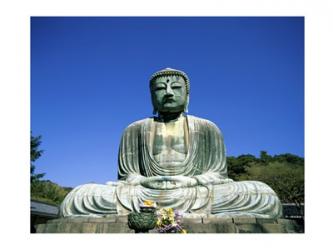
159 88
176 87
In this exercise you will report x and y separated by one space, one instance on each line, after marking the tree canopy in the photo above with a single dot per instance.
284 173
35 153
43 190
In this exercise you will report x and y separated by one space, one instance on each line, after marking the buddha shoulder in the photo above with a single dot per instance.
204 123
137 124
200 122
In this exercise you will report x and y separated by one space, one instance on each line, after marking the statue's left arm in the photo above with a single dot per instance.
211 155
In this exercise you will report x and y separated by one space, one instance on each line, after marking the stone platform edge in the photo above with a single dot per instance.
118 224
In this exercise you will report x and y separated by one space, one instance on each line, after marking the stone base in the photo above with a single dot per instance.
211 224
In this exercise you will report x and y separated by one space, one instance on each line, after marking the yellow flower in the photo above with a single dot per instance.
183 231
148 203
169 210
159 223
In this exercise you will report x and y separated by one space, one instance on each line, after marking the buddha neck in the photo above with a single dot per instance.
169 117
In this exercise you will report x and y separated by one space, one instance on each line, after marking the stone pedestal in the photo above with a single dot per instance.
211 224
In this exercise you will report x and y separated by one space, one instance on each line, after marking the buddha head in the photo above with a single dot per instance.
169 90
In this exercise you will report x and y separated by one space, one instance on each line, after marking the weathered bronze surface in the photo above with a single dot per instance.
176 160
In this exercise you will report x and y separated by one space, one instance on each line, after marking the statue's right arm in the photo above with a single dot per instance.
128 157
135 179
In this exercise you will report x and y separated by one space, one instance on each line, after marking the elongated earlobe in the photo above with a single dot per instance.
187 102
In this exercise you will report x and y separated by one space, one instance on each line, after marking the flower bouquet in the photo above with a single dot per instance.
168 221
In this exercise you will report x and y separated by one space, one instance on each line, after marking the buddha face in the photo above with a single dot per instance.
169 94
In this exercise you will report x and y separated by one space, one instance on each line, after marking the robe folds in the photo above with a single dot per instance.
205 162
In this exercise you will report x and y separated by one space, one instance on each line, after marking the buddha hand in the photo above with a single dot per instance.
168 182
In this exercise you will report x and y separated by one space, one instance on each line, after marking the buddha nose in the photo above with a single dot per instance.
169 91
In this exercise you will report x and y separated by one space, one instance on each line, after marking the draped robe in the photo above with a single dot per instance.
205 161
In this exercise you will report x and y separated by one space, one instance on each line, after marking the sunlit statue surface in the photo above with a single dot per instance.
176 160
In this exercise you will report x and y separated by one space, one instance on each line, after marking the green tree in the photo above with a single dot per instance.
285 178
265 157
35 153
290 158
284 173
237 166
43 190
49 191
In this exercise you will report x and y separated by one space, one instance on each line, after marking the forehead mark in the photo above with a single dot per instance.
167 79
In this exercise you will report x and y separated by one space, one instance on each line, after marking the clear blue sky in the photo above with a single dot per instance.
89 81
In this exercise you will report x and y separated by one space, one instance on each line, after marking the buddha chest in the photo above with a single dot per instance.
170 140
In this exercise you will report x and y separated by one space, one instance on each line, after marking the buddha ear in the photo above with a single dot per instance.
186 105
154 104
